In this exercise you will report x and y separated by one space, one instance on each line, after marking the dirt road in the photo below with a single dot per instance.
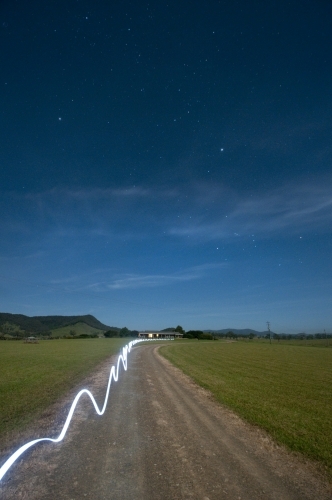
161 438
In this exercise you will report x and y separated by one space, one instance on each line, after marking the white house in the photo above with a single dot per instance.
160 335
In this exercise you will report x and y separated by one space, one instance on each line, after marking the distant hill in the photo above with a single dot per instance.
40 324
76 330
244 332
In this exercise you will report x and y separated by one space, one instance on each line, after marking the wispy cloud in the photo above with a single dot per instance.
135 280
287 210
196 212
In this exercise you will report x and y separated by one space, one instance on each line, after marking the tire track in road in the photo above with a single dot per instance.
162 437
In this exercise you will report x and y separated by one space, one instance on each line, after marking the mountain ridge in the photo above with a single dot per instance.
39 324
239 331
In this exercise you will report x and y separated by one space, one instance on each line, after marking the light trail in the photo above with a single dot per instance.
114 374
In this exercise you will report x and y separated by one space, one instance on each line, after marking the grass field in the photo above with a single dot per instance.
285 389
298 342
35 375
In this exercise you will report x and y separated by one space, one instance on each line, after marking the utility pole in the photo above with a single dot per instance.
268 327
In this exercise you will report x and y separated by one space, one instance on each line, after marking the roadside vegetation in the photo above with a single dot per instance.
33 376
284 389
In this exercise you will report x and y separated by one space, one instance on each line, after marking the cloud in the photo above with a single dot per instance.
135 281
197 212
292 209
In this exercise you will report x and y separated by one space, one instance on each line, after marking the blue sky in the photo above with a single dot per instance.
167 164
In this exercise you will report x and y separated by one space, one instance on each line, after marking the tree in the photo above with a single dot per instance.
124 332
179 329
197 334
110 333
206 336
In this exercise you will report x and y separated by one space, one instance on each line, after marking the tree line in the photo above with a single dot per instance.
123 332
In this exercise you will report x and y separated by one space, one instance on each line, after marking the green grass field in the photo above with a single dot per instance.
284 389
35 375
298 342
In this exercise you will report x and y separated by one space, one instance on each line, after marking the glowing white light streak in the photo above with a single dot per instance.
113 374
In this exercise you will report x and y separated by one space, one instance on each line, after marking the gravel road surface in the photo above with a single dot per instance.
162 437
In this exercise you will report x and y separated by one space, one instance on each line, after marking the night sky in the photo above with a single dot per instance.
166 163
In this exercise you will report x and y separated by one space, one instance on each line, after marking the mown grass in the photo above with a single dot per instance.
284 389
32 376
298 342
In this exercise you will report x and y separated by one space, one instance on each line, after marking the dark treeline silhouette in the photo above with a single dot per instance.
43 324
123 332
